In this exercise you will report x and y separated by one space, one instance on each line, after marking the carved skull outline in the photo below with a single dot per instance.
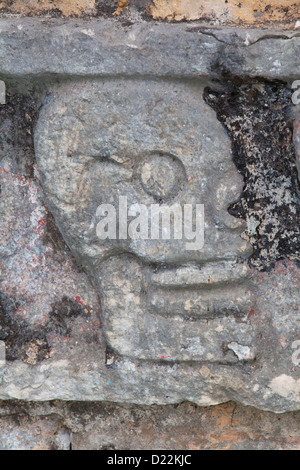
160 301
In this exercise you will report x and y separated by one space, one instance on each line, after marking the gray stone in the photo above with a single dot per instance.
100 47
124 130
111 426
125 117
161 302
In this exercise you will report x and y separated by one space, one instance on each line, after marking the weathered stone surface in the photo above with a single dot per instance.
107 48
246 12
198 325
270 201
62 7
111 426
101 134
22 429
215 12
108 163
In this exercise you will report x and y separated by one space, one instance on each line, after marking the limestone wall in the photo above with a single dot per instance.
159 101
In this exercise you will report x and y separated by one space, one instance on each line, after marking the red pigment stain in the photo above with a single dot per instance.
280 268
165 357
252 311
78 299
21 179
20 311
41 223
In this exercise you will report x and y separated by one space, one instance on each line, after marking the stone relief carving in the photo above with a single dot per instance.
150 143
158 142
201 125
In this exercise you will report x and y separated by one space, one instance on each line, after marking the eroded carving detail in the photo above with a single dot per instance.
160 301
158 142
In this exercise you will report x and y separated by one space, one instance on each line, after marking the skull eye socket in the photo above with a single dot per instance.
162 176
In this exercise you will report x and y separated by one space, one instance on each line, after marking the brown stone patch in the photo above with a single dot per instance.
121 4
238 12
67 8
109 426
248 12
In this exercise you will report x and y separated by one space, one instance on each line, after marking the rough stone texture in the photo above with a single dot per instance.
70 8
66 8
270 199
104 48
254 12
20 429
101 137
120 105
107 426
51 291
215 12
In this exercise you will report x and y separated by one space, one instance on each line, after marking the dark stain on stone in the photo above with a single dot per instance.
126 23
62 314
53 237
111 357
6 8
144 8
30 344
21 341
52 12
17 120
256 115
106 8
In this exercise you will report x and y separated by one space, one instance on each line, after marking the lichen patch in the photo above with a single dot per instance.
256 115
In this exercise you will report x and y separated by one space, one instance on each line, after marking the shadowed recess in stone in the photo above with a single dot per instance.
30 344
256 114
17 121
21 341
